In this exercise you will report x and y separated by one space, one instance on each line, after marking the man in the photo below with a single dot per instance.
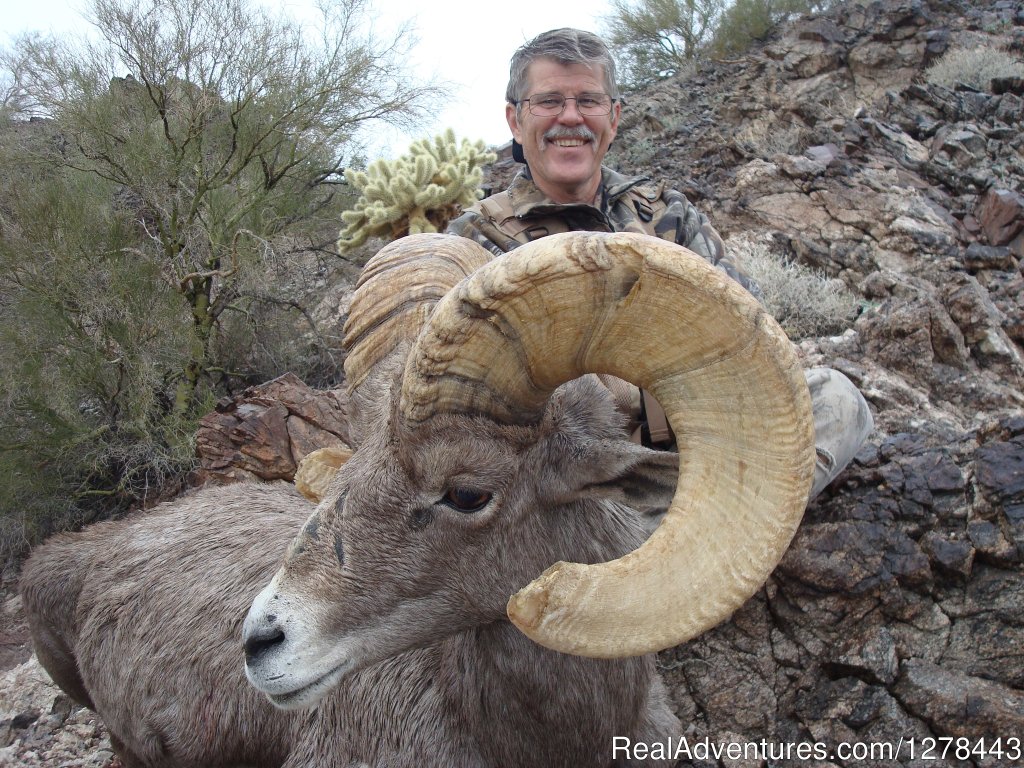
563 110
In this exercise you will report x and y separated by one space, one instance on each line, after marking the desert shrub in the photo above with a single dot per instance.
655 39
632 155
191 151
805 302
975 67
269 329
89 330
230 130
744 21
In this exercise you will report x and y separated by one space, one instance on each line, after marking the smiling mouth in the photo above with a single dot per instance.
564 143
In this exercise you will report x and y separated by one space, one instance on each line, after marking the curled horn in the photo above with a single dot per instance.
396 292
655 314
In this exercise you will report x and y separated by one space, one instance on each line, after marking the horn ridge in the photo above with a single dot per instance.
396 291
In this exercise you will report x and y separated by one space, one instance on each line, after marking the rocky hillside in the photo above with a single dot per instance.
898 613
899 610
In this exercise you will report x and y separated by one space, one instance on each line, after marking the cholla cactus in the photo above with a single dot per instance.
421 191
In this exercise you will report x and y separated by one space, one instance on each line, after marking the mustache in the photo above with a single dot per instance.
569 132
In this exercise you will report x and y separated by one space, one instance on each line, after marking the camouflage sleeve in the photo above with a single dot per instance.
475 227
687 226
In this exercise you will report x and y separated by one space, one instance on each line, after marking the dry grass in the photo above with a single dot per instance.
805 302
975 67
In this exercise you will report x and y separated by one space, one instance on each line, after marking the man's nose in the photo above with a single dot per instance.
571 113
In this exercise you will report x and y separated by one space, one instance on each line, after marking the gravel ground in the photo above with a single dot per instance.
39 725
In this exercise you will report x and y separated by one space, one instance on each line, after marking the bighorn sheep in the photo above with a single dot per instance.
485 454
140 620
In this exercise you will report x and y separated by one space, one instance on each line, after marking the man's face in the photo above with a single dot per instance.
564 151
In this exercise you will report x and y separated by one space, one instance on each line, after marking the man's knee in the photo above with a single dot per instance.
842 422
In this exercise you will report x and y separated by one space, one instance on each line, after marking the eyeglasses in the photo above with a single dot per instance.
551 104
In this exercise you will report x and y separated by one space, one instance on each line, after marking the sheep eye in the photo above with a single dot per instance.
466 499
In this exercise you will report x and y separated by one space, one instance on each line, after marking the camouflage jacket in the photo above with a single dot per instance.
522 213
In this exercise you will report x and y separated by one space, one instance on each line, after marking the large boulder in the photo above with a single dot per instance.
265 432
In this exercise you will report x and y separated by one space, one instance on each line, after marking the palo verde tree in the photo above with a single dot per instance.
745 21
221 128
183 149
654 39
89 334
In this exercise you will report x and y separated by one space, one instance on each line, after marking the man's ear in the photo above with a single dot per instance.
616 114
512 118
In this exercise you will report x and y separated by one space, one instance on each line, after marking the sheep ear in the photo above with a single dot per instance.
622 471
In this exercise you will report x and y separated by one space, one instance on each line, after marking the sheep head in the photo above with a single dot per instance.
479 466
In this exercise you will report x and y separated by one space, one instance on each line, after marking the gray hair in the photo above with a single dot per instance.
566 46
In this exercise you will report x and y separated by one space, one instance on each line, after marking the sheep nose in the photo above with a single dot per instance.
260 640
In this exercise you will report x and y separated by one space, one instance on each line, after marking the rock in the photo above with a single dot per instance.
948 556
823 30
957 704
871 657
1016 247
980 321
999 468
1001 214
1013 85
978 257
825 154
807 58
265 431
988 540
855 557
904 147
68 736
913 335
800 167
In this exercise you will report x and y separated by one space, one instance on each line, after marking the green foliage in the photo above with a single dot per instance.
89 330
654 39
805 302
224 135
157 230
745 21
420 191
975 67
